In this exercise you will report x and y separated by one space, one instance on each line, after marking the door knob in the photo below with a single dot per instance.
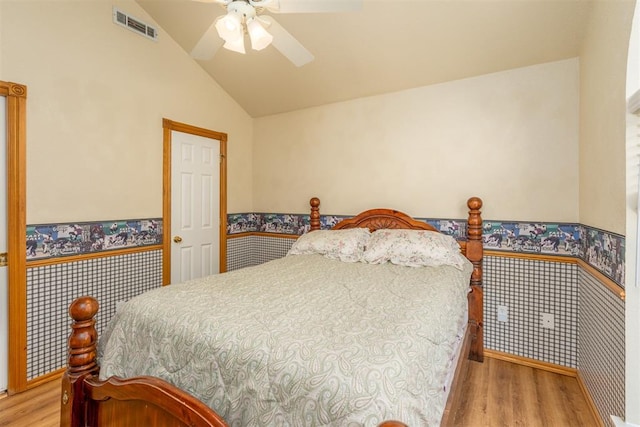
177 239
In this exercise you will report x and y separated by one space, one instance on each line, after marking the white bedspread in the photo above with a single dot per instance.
299 341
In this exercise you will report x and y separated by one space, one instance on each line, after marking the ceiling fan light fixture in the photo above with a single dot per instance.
260 38
244 16
236 45
229 26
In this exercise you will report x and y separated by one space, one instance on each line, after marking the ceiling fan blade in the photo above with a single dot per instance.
208 44
287 44
315 6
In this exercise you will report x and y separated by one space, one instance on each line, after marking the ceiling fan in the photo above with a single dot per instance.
245 17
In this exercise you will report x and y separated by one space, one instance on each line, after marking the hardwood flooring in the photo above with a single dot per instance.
38 407
501 393
498 393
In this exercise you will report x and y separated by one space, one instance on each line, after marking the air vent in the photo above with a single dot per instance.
134 24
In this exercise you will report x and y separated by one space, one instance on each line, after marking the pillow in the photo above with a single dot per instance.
346 245
413 248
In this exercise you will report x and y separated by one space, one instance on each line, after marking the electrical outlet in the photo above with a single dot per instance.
503 313
548 321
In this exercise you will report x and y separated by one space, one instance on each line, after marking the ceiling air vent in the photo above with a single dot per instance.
134 24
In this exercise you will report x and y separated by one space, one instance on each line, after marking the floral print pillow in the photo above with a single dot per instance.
413 248
346 245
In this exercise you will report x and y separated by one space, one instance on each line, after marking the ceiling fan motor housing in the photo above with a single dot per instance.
242 7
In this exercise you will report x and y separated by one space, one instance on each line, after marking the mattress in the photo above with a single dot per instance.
300 341
455 357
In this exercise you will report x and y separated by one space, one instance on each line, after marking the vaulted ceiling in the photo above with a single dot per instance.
389 45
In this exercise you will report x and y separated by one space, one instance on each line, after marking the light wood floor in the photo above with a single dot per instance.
501 393
39 407
498 393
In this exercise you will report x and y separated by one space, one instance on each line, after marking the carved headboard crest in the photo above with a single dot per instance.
375 219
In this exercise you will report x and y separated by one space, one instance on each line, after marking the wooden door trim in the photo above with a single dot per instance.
168 126
16 95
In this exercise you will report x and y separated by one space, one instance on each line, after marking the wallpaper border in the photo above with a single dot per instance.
601 249
79 238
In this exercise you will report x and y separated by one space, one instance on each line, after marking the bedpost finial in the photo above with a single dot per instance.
83 308
314 217
474 203
81 354
474 221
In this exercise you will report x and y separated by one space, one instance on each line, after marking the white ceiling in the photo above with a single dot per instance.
389 45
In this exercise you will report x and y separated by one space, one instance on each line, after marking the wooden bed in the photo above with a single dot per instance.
89 401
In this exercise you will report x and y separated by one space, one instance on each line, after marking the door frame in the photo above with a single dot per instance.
167 127
16 95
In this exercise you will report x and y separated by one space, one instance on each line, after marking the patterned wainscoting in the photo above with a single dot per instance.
51 288
530 287
250 250
601 345
240 252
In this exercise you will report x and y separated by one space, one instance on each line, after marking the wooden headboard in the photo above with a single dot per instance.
375 219
471 247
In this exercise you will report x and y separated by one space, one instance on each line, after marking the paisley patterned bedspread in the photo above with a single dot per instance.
299 341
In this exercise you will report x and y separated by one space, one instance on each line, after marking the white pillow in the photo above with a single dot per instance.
346 245
413 248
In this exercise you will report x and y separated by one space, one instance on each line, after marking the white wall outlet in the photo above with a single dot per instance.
548 321
503 313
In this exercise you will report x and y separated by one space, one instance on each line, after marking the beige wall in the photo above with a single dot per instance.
608 198
632 303
97 96
603 62
415 150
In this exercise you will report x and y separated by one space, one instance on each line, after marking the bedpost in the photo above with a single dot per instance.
475 254
314 220
81 360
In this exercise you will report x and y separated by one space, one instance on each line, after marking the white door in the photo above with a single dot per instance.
4 290
195 206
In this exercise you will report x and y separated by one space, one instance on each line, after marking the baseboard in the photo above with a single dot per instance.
589 399
54 375
532 363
